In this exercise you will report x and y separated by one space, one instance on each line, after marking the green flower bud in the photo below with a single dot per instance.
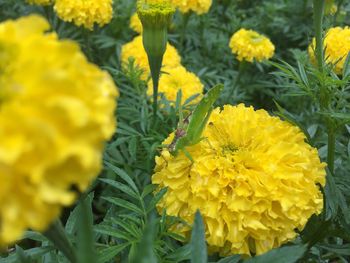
155 16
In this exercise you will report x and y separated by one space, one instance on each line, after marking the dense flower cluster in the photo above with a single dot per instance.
197 6
249 45
85 12
39 2
254 179
135 50
337 47
175 79
56 111
135 23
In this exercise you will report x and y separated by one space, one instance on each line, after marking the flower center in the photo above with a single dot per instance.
229 149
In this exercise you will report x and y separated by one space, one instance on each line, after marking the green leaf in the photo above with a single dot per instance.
180 254
85 242
123 175
112 232
198 243
110 253
156 199
122 187
125 204
232 259
34 253
337 249
346 67
289 254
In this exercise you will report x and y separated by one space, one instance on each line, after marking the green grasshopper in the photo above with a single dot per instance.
189 130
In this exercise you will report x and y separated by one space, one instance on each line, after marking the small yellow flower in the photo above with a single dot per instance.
56 112
135 49
135 23
39 2
254 180
175 79
249 45
85 12
337 45
197 6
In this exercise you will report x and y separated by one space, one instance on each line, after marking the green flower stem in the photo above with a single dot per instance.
241 68
331 146
185 20
57 235
319 6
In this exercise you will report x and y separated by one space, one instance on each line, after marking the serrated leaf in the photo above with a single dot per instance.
122 187
180 254
289 254
123 175
112 232
125 204
199 252
107 254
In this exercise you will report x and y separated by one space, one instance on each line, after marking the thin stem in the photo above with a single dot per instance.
319 6
237 80
331 146
185 20
57 235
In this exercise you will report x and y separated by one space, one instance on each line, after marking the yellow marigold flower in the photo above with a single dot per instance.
85 12
56 112
249 45
135 23
39 2
135 49
197 6
175 79
337 45
254 179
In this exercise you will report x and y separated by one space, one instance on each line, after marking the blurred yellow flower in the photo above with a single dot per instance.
197 6
249 45
39 2
85 12
337 47
135 50
56 112
254 180
135 23
175 79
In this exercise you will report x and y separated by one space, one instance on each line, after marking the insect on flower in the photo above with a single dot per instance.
189 130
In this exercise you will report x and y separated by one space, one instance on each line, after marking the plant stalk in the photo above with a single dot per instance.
57 235
319 6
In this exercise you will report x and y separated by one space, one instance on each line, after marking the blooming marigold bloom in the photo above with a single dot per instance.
135 23
254 180
85 12
337 47
39 2
135 49
197 6
56 112
175 79
249 45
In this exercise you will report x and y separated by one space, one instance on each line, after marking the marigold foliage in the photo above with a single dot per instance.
337 47
135 23
135 50
175 79
254 179
56 111
85 12
39 2
197 6
249 45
